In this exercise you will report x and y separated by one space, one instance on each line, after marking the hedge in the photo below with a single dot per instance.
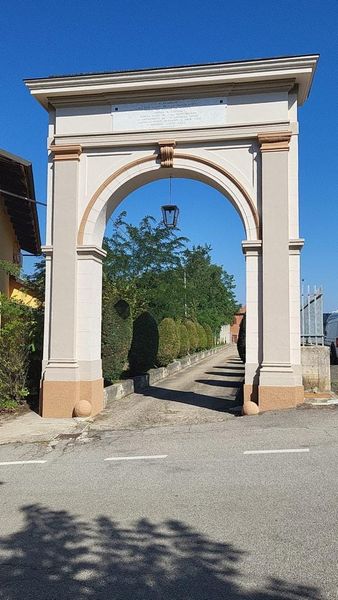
202 337
193 335
169 342
116 336
184 339
210 338
144 345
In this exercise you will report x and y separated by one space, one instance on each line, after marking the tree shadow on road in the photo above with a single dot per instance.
57 555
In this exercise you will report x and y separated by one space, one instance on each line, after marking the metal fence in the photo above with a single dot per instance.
311 317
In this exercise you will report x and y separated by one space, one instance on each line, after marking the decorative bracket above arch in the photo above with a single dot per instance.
166 153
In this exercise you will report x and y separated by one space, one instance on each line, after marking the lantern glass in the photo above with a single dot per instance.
170 214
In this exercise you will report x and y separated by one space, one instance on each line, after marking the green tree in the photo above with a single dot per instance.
16 334
138 261
148 263
210 289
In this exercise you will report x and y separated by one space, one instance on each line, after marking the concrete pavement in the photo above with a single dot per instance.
205 392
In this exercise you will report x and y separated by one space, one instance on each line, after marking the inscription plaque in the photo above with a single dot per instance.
170 114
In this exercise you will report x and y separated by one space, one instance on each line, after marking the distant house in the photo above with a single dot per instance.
19 227
234 329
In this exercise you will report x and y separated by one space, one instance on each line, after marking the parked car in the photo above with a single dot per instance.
331 336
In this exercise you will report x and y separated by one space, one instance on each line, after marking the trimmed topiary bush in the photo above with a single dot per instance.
210 339
193 335
169 343
241 339
202 337
116 336
184 339
144 345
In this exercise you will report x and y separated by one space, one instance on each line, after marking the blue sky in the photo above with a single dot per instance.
39 39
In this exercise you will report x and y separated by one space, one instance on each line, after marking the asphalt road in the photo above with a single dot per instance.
188 511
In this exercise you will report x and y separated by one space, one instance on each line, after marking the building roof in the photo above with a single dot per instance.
232 76
16 178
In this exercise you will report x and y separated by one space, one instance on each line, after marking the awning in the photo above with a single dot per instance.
16 177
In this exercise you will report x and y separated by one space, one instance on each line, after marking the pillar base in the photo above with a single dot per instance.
58 398
250 393
272 397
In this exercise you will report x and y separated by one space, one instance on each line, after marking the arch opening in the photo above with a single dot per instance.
125 181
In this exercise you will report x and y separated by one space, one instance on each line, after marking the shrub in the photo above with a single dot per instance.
144 345
210 338
184 339
116 335
202 337
242 339
169 342
193 335
17 327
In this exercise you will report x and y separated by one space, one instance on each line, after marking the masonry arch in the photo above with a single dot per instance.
139 172
233 126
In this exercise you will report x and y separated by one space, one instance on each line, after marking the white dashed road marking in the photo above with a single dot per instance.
281 451
22 462
137 457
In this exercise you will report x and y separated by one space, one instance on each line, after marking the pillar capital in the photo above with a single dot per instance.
274 141
296 245
67 152
252 247
47 250
91 252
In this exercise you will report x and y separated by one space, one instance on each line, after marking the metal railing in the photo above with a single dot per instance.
311 317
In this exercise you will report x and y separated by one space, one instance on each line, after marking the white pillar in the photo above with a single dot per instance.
64 384
89 312
253 261
279 385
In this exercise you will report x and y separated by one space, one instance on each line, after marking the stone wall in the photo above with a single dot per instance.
316 368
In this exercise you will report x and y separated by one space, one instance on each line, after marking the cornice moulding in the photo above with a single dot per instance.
299 68
148 138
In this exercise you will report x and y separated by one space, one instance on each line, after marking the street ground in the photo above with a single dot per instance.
233 508
205 392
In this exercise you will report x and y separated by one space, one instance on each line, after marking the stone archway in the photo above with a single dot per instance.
98 158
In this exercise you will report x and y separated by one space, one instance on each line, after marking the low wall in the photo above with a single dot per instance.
316 368
136 384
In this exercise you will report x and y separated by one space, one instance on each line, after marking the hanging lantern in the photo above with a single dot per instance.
170 214
170 211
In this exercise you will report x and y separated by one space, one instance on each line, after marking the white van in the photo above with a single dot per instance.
331 336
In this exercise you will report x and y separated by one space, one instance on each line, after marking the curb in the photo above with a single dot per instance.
140 382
